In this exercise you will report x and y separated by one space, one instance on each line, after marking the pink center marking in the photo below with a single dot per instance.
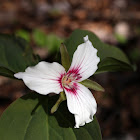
69 81
72 89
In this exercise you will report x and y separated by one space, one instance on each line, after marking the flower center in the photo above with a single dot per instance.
66 80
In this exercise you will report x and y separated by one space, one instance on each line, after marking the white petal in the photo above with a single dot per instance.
81 103
43 78
85 60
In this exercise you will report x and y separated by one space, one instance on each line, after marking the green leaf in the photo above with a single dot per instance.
51 42
15 55
23 34
65 59
6 72
92 85
39 37
29 118
105 52
113 65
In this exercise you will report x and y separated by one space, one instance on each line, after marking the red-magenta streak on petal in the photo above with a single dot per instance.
78 76
75 72
72 89
60 79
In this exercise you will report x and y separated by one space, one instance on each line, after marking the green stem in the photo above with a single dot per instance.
62 98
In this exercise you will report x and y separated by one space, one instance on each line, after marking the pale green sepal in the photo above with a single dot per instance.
92 85
65 59
62 98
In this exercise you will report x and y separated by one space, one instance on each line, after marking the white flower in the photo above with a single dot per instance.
45 78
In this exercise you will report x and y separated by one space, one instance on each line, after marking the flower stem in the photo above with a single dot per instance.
62 98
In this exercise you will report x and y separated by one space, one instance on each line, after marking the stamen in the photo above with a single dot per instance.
66 80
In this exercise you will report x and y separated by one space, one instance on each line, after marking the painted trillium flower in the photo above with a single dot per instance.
46 78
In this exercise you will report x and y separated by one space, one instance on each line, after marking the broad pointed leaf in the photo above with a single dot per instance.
29 118
15 55
111 57
92 85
